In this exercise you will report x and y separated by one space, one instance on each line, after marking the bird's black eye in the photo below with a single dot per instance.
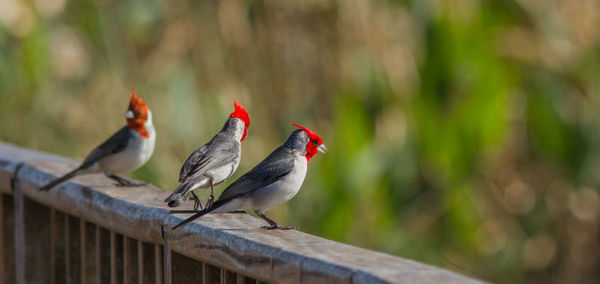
315 143
138 113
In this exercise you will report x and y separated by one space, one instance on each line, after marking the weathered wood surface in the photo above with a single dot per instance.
231 241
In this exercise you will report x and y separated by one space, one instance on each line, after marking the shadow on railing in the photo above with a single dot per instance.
87 231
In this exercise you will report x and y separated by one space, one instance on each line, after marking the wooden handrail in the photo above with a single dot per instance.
234 243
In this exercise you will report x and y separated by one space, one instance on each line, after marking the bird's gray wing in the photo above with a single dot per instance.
191 161
116 143
271 169
219 152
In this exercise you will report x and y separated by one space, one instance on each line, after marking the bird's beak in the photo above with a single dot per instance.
322 148
129 114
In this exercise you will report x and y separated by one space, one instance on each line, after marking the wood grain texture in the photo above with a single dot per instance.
7 237
234 242
20 253
57 248
37 243
103 253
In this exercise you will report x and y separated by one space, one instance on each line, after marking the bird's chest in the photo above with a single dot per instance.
290 184
282 190
138 151
221 174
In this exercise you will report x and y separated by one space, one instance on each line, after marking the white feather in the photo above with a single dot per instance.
138 151
273 195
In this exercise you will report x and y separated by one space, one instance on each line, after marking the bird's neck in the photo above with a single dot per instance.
143 132
143 129
309 155
235 128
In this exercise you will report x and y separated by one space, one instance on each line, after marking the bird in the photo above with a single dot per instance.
272 182
214 162
124 152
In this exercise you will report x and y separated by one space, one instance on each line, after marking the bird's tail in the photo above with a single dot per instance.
179 194
62 179
203 212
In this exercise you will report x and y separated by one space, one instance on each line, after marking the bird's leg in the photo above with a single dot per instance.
211 198
274 226
197 202
123 182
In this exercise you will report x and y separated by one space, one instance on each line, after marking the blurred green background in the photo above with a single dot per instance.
461 133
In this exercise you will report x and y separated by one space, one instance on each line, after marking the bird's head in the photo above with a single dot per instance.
314 143
137 114
241 113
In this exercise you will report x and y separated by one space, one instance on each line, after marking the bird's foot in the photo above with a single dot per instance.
209 202
122 182
279 227
130 184
197 202
197 205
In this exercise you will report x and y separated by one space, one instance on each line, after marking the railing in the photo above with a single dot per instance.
87 231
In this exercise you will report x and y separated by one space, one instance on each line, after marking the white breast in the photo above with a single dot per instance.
218 175
221 174
136 154
280 191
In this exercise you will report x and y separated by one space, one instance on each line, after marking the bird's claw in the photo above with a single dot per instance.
278 227
130 184
122 182
126 183
197 202
197 205
209 202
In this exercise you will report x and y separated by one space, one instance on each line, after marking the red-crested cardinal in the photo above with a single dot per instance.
214 162
124 152
274 181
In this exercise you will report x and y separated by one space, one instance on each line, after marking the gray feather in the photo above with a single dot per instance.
116 143
271 169
222 150
219 152
179 194
191 161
